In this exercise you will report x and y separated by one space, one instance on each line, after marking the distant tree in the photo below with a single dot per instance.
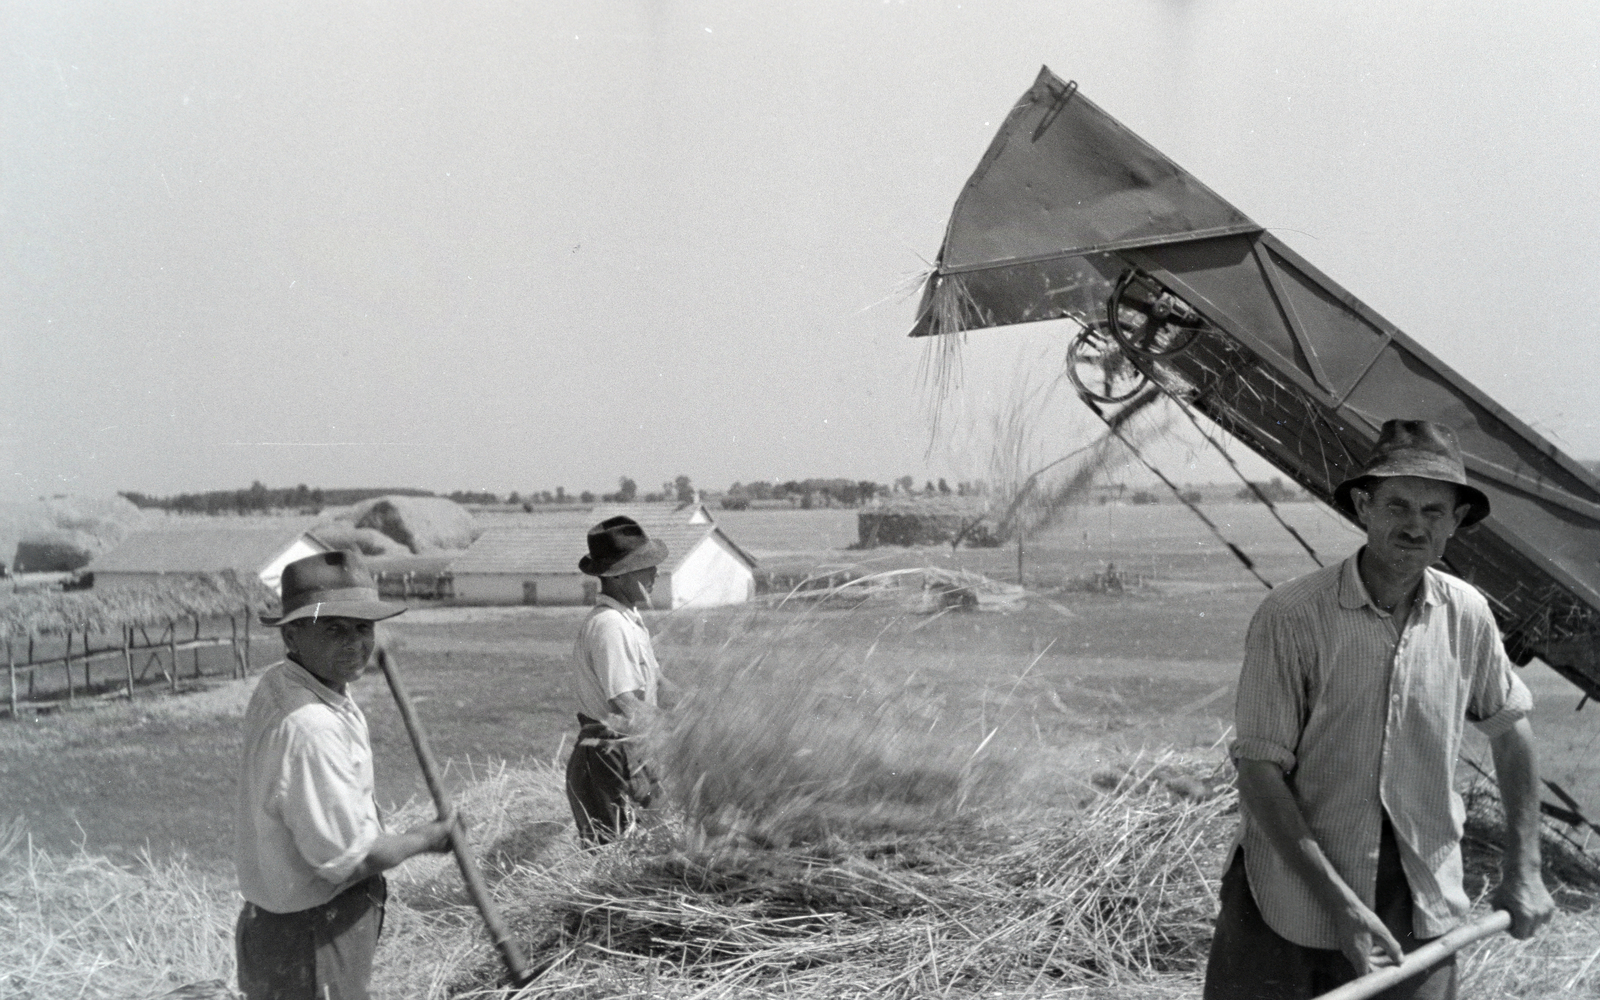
944 487
905 483
1144 496
514 498
928 488
737 489
684 489
561 494
587 496
627 489
1276 491
867 489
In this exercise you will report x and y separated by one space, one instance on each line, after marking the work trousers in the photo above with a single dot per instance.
324 953
1250 961
603 786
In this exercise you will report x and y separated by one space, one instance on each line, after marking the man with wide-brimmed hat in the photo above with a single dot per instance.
310 845
616 680
1357 680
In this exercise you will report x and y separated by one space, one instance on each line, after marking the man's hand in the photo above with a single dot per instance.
1521 891
435 835
1528 902
1363 938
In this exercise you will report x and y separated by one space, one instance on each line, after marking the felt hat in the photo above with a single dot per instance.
1419 448
330 585
619 545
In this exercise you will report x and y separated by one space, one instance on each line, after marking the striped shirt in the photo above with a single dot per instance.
612 656
1365 721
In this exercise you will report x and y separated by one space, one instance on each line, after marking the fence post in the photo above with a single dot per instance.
88 685
66 661
11 675
196 649
247 641
172 651
233 641
31 668
127 656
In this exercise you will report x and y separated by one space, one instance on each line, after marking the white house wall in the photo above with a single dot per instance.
272 574
507 588
712 575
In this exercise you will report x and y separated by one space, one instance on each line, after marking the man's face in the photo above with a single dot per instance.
335 650
1408 521
637 583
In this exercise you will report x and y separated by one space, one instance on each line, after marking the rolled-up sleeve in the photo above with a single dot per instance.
323 802
1499 698
1272 691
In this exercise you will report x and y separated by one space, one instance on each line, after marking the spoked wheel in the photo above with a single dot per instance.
1100 368
1149 320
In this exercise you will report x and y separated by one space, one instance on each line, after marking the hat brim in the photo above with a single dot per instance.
372 611
651 553
1473 497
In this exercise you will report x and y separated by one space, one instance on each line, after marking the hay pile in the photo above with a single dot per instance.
1112 901
61 534
937 521
421 524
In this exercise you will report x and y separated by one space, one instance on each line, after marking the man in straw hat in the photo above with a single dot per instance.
311 846
616 680
1356 681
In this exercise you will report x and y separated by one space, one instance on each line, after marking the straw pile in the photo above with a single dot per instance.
421 524
1112 901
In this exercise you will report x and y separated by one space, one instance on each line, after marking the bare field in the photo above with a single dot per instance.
1076 681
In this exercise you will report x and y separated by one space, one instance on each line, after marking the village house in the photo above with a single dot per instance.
535 561
261 550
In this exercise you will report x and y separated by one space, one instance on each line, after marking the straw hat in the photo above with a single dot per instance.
1418 448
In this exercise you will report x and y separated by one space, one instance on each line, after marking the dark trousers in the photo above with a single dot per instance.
603 786
324 953
1250 961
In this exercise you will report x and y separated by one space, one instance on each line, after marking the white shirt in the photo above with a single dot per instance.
1362 718
306 815
612 656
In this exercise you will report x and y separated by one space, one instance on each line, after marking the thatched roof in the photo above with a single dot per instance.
54 612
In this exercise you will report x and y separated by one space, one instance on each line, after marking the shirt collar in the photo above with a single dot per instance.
1353 590
631 613
306 679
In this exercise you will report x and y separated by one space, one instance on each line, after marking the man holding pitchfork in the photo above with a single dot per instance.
1358 679
311 847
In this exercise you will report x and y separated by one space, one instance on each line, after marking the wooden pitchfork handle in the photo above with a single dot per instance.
510 954
1428 955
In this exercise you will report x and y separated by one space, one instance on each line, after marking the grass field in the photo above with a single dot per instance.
1072 689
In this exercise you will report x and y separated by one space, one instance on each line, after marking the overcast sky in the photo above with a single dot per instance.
519 245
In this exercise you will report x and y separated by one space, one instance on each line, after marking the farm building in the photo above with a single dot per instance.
536 562
259 550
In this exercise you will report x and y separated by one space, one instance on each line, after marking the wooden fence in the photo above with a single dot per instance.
134 644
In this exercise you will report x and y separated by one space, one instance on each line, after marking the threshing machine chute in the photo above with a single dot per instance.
1070 215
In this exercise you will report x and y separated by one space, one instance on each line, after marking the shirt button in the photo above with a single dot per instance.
1395 699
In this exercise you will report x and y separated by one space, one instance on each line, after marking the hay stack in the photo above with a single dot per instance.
366 541
421 524
64 533
921 522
